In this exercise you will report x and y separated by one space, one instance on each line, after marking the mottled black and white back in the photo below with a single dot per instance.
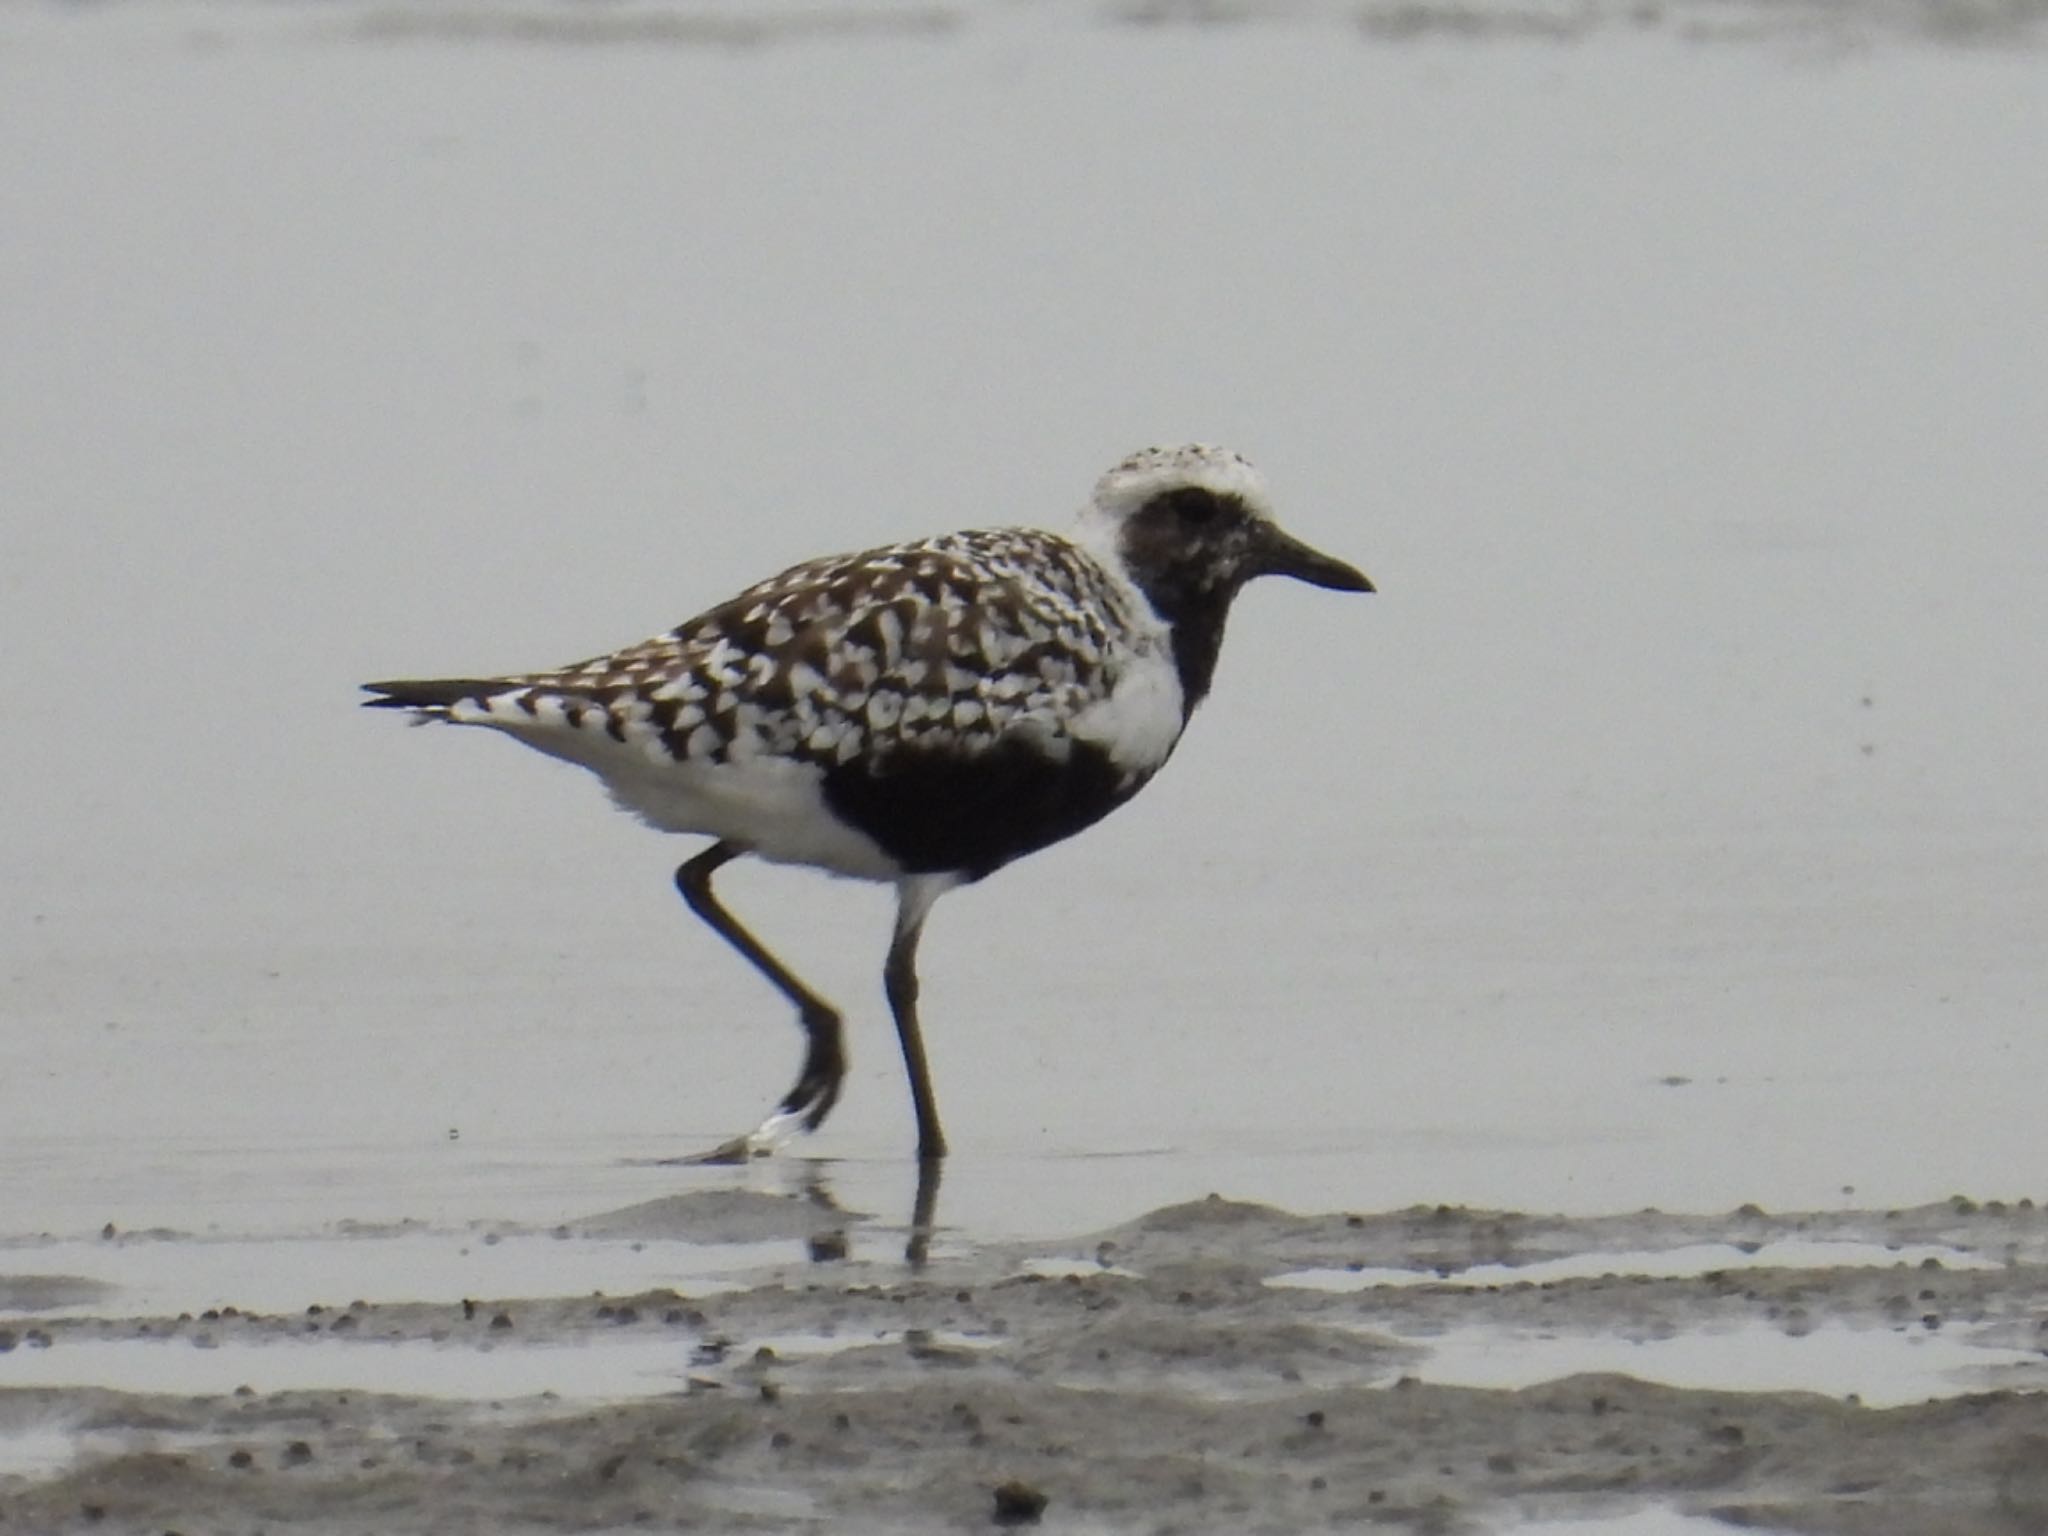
922 713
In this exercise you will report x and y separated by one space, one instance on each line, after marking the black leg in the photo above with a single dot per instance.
829 1245
922 1225
899 980
817 1087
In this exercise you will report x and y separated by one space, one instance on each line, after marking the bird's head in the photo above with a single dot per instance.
1191 525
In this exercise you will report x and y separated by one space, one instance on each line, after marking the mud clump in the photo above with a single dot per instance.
1018 1503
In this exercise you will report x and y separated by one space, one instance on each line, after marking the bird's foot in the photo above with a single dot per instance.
761 1141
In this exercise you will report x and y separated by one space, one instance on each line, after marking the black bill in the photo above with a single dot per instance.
1282 554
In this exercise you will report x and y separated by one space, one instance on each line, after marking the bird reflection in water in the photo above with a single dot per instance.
830 1241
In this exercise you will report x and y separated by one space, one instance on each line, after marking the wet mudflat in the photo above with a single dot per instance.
1215 1365
1668 832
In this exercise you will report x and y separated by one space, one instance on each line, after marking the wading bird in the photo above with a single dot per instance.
921 714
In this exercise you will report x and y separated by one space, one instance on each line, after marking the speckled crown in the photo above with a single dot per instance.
1151 470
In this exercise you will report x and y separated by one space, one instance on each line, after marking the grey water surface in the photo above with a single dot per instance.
1669 830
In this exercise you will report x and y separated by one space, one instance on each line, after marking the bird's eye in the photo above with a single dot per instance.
1195 507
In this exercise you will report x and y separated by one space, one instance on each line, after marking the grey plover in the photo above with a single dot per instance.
921 714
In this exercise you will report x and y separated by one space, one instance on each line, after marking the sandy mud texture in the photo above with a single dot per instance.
1150 1378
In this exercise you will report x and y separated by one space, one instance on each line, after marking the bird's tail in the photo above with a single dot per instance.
431 698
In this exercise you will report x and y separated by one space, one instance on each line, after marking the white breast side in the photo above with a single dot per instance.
1141 718
1142 715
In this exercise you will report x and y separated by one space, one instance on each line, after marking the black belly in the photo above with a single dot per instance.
935 811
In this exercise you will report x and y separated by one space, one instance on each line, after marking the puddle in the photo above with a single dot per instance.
1687 1262
286 1274
1883 1368
37 1449
586 1369
42 1449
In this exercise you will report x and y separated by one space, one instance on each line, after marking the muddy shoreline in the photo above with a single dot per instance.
1210 1366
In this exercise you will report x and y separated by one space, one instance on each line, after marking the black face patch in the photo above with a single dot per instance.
1189 550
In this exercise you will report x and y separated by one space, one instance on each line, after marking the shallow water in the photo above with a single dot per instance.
1664 832
1667 832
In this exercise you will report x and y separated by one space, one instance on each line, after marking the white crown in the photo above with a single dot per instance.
1150 471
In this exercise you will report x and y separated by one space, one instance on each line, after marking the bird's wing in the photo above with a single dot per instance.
944 645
